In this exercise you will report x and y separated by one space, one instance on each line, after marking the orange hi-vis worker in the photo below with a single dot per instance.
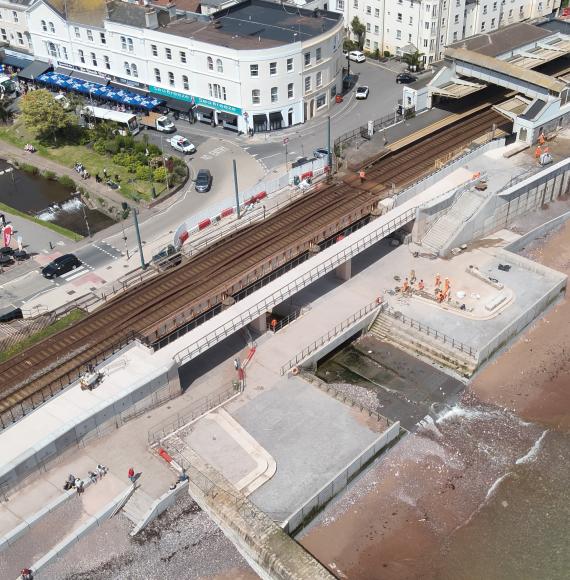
437 280
273 324
439 296
446 286
421 285
537 152
406 285
362 175
541 139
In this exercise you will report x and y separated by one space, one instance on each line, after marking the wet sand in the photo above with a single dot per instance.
482 493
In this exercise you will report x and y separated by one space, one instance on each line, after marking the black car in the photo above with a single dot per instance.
167 257
61 265
203 181
11 314
406 78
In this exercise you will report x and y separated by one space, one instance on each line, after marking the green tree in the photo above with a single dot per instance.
45 115
144 173
414 60
6 114
160 174
359 30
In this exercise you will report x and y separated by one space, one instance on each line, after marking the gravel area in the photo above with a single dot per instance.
182 543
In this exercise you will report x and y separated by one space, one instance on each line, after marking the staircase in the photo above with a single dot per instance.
421 345
448 224
138 506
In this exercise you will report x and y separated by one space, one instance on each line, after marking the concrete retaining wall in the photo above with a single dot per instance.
339 482
160 505
90 424
559 282
81 531
540 231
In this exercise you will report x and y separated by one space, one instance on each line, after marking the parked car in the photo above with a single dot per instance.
362 92
10 314
320 153
182 144
356 56
406 77
61 266
167 257
203 181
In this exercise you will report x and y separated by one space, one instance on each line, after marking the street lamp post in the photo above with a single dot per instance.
85 217
126 206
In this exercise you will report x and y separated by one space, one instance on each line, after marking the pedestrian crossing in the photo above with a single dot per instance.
77 273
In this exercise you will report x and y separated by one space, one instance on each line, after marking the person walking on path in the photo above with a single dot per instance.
362 175
132 474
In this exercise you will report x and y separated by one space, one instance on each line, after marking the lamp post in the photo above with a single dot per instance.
135 211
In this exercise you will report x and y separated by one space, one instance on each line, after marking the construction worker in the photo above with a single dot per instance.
412 276
537 152
421 285
437 281
362 175
273 324
446 286
439 296
405 286
541 139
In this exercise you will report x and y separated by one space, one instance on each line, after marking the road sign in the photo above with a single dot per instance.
285 140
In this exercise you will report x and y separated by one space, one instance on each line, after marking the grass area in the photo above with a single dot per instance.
54 227
50 330
18 135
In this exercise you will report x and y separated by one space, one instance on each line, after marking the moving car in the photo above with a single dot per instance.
167 257
356 56
203 181
362 92
11 314
405 78
61 265
182 144
62 100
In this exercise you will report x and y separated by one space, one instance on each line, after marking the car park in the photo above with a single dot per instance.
356 56
405 78
203 181
362 92
61 266
182 144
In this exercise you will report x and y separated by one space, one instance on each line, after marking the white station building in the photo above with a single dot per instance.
255 65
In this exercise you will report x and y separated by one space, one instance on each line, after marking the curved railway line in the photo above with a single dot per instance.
222 269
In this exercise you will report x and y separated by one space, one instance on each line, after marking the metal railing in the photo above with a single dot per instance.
280 295
325 338
288 319
429 331
362 132
189 413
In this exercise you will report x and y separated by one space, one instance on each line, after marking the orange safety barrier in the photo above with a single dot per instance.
165 455
261 195
306 175
250 201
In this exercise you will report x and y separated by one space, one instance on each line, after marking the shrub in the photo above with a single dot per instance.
32 169
387 54
66 181
49 174
160 174
144 172
101 202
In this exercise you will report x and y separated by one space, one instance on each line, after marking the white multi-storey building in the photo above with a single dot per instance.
404 26
256 65
15 41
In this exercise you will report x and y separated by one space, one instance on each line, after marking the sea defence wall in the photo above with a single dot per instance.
268 549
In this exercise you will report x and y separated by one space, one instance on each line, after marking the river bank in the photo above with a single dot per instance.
482 492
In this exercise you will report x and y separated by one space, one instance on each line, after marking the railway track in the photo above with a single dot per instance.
31 377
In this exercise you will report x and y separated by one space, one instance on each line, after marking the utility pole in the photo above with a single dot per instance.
329 156
236 189
124 236
125 206
85 217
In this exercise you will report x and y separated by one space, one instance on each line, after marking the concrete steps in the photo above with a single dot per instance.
138 505
447 225
418 344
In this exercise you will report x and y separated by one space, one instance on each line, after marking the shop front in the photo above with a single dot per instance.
228 121
275 120
260 123
205 115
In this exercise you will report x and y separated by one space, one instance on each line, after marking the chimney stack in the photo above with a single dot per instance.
171 7
151 18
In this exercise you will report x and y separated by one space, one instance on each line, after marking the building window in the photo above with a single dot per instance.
102 38
94 59
216 91
210 61
494 6
127 43
411 22
52 50
255 96
398 35
20 38
130 43
454 38
340 5
90 35
521 9
456 19
171 78
355 4
368 10
127 68
44 26
76 30
377 12
168 53
154 49
182 57
367 44
376 30
15 15
482 26
290 92
123 43
4 35
410 38
107 63
307 84
185 82
368 27
135 70
272 68
307 58
157 75
485 9
289 65
319 79
399 17
253 70
81 56
321 101
274 95
492 23
219 66
425 43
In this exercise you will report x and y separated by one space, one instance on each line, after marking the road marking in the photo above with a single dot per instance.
105 251
75 273
269 156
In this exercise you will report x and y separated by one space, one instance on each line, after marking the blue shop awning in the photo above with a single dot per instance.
97 90
19 62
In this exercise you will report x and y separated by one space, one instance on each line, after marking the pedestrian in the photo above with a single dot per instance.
93 477
27 574
421 286
97 178
105 172
362 175
132 474
101 470
437 281
80 487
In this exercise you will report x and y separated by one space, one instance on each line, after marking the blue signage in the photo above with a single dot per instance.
217 106
169 93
